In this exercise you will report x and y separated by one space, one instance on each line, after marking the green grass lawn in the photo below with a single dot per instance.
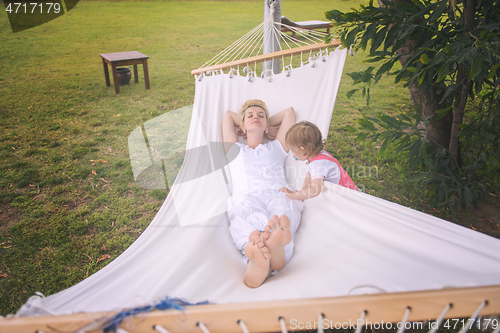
68 200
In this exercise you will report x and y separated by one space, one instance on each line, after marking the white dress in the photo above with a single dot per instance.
256 177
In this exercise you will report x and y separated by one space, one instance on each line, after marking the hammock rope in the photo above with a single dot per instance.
243 326
440 319
160 329
252 44
361 319
473 318
321 329
283 325
225 55
202 327
121 330
405 320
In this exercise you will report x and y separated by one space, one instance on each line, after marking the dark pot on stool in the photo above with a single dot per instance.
124 75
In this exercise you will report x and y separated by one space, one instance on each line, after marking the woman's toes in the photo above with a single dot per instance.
284 222
273 222
267 233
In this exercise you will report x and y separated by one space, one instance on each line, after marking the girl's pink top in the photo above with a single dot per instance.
345 179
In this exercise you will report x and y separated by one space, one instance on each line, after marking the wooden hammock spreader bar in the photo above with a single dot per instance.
266 57
264 316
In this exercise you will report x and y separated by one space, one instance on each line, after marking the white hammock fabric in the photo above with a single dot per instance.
348 242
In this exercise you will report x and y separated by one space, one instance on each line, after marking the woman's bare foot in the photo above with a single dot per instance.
258 268
276 235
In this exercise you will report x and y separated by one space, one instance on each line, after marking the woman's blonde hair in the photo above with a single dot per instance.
249 104
306 135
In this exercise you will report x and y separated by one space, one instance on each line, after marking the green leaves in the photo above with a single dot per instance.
422 77
424 58
386 67
493 71
334 15
367 35
429 163
378 39
430 34
447 49
350 93
476 67
365 123
443 71
438 12
429 37
350 37
350 129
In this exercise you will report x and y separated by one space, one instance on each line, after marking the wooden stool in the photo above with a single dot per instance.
122 59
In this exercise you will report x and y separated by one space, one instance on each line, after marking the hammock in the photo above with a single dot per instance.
349 243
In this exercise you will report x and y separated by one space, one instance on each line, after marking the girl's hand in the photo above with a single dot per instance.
290 194
287 192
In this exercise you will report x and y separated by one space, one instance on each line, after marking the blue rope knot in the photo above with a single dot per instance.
168 303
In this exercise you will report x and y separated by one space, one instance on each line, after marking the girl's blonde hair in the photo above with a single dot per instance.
306 135
249 104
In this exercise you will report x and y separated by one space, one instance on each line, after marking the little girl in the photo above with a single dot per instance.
305 142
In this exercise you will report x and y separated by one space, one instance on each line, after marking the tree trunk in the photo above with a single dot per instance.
438 132
464 84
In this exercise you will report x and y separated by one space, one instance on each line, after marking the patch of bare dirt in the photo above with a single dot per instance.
485 218
8 217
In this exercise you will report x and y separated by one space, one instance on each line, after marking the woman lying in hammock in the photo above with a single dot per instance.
262 219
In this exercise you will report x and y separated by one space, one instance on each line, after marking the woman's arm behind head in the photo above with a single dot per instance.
287 120
229 135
